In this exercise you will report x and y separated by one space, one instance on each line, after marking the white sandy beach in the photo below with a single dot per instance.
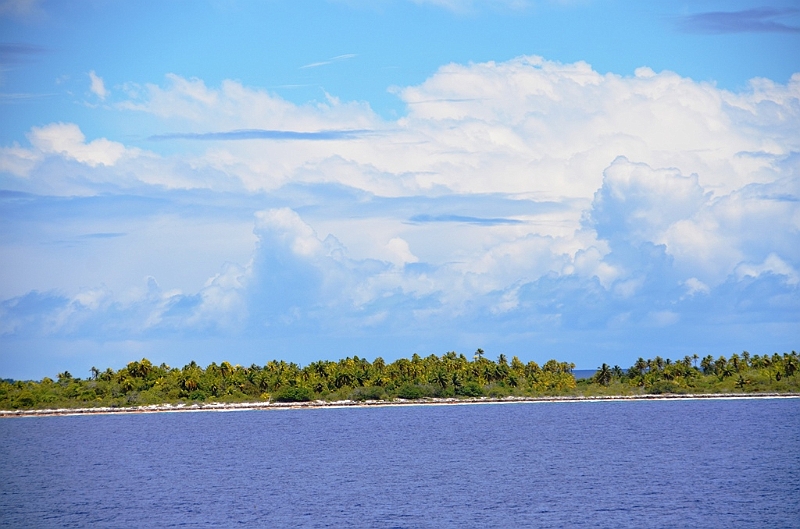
317 404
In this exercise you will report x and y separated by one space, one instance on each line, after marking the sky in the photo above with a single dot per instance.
209 180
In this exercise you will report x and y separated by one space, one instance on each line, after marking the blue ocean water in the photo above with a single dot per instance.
687 463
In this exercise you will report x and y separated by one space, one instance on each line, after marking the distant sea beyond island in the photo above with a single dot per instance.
450 378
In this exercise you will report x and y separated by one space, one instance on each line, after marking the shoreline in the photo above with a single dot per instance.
320 404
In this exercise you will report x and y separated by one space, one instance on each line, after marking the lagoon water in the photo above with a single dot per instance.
687 463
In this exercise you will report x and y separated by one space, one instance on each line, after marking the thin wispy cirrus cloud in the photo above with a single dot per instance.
472 6
21 9
332 60
13 55
527 206
762 20
17 52
256 134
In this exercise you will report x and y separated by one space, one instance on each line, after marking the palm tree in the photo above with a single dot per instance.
517 366
342 379
488 373
728 370
736 362
126 383
512 380
189 384
707 364
225 369
789 364
720 364
441 378
603 375
379 365
640 365
456 379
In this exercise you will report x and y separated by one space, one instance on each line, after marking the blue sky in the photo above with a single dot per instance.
225 180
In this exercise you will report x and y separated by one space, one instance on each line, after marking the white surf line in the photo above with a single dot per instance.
320 404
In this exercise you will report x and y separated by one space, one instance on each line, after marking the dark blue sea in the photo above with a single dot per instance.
687 463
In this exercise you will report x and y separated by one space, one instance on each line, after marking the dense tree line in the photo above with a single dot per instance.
740 372
451 375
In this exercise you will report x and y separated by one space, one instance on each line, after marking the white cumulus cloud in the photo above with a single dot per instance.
97 85
67 139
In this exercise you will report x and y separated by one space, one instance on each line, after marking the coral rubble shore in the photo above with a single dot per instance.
241 406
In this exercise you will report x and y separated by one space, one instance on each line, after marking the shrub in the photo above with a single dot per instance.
497 391
197 395
416 391
293 394
25 399
665 386
471 389
367 393
409 391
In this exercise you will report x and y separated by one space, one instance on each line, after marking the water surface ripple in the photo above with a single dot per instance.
703 463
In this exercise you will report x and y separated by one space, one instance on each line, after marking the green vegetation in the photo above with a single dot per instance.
451 375
738 374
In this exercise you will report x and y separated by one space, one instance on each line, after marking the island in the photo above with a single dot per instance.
450 378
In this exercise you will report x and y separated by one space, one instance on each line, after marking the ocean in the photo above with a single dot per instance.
676 463
583 373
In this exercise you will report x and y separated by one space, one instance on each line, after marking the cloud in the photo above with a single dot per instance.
21 8
744 226
758 20
695 286
544 127
61 161
102 235
468 6
322 135
773 265
19 52
67 139
422 218
639 203
13 54
143 311
20 96
528 204
233 106
399 252
97 87
299 283
329 61
523 126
